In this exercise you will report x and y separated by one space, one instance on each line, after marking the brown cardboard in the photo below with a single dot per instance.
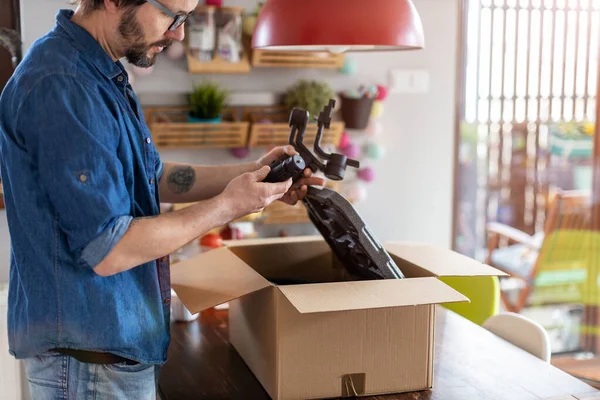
325 338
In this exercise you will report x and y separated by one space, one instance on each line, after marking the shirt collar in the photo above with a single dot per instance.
86 43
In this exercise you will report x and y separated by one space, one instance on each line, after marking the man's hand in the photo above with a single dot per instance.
300 188
275 154
248 194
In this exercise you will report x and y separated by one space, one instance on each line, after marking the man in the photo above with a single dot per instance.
89 283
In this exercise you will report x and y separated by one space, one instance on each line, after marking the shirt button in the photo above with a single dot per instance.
166 301
148 140
120 78
151 181
165 258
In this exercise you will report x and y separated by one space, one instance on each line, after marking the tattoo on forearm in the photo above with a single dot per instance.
181 179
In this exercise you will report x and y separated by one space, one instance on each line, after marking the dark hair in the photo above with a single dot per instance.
92 5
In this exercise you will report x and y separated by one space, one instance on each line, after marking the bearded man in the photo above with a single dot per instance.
89 288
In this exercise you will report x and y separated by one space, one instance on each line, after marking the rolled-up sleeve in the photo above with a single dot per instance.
76 154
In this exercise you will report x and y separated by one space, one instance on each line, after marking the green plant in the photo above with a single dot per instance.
309 95
207 101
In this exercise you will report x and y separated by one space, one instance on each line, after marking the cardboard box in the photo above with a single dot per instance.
330 339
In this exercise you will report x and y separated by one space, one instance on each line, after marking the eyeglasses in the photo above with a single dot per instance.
178 19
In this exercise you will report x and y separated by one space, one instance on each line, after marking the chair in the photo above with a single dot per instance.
483 293
555 262
522 332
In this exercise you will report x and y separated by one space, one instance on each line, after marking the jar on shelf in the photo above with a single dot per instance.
201 33
229 34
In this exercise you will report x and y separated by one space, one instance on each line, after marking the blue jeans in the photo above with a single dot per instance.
54 376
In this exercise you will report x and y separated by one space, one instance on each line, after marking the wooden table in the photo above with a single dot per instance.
470 363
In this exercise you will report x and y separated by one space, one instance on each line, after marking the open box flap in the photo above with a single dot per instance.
357 295
439 261
213 278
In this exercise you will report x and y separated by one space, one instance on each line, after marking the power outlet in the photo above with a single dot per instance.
409 81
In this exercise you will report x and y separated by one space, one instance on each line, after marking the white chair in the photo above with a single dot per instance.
522 332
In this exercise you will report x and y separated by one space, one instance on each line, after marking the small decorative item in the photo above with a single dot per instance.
207 102
356 192
231 233
216 3
249 20
377 110
211 240
356 106
366 174
229 34
374 150
375 128
344 140
350 66
382 93
309 95
240 152
202 31
352 151
176 51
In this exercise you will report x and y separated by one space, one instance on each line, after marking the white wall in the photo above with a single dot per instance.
411 199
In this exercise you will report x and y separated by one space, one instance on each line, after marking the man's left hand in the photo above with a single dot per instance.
299 189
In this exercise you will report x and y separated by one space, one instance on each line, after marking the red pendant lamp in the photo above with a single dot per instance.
338 25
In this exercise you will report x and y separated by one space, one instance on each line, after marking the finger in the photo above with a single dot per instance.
293 198
312 181
289 150
260 174
307 172
280 187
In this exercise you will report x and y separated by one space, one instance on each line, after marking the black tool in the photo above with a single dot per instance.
336 219
335 167
290 167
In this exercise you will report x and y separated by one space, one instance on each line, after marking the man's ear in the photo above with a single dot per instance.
112 6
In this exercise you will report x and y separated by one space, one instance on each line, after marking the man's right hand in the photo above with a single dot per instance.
247 194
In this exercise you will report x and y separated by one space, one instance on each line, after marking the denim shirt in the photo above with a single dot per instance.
78 164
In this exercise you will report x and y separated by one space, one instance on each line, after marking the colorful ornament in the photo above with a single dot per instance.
356 192
374 150
375 128
240 152
352 151
212 240
382 93
350 66
176 50
216 3
377 110
366 174
344 140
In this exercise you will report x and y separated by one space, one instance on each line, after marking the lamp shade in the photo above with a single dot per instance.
338 25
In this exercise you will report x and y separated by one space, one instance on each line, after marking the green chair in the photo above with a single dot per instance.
482 291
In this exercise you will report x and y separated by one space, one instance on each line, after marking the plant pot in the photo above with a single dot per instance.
204 120
356 112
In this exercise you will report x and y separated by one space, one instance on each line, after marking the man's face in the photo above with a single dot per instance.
144 30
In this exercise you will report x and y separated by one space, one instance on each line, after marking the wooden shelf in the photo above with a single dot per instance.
217 65
292 59
269 126
170 129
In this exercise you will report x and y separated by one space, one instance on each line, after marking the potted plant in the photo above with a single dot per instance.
207 102
309 95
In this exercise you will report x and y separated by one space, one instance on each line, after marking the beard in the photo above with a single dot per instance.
135 47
